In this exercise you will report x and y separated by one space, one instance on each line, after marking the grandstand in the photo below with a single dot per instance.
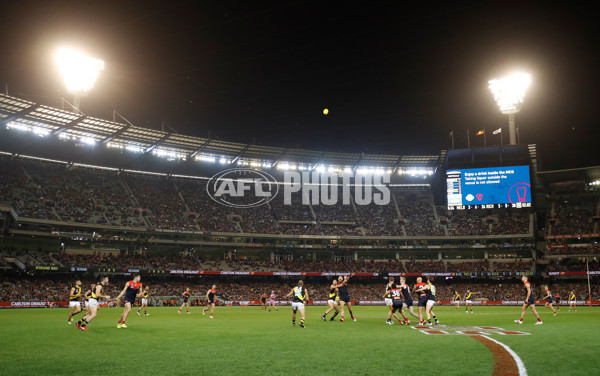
79 193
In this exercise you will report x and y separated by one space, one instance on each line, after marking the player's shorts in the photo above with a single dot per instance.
397 304
144 301
211 301
530 301
422 301
430 303
92 302
74 303
297 305
331 301
129 299
264 301
388 301
345 299
549 301
408 303
185 300
86 303
468 302
271 302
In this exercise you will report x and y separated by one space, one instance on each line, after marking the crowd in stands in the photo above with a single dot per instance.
63 193
576 250
574 217
418 215
206 263
573 264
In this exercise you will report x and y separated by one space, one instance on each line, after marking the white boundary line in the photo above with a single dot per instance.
520 364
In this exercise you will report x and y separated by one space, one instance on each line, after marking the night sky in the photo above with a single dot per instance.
395 79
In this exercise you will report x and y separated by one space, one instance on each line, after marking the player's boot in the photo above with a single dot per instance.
538 323
519 321
119 326
138 313
323 318
123 326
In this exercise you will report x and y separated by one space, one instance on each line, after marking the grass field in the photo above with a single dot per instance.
246 340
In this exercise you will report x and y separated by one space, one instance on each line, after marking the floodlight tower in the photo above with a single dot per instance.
509 92
79 72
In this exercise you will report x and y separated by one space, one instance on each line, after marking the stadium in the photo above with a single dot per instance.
206 220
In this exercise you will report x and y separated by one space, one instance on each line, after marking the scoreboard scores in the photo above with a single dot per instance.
488 188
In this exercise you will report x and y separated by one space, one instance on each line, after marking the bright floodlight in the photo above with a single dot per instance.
79 71
509 93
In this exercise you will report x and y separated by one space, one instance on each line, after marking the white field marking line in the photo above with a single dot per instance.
520 364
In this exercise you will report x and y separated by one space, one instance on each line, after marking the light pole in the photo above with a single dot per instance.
79 72
509 93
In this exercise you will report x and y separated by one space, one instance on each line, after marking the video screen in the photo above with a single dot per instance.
488 188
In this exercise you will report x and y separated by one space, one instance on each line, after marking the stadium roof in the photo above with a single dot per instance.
48 121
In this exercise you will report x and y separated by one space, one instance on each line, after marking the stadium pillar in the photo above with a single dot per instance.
512 129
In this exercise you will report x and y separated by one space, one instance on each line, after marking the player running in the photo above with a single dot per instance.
86 298
300 295
131 290
557 301
344 296
332 301
186 297
144 304
272 301
210 298
529 302
408 301
263 302
572 300
95 296
74 303
549 301
469 300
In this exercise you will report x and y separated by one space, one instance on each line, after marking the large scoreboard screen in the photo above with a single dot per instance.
489 188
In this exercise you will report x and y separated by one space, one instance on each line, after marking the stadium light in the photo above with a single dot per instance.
79 72
509 93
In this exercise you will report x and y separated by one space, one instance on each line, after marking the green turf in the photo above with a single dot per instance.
250 342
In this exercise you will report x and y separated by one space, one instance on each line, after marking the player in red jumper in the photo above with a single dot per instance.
210 297
131 291
529 302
